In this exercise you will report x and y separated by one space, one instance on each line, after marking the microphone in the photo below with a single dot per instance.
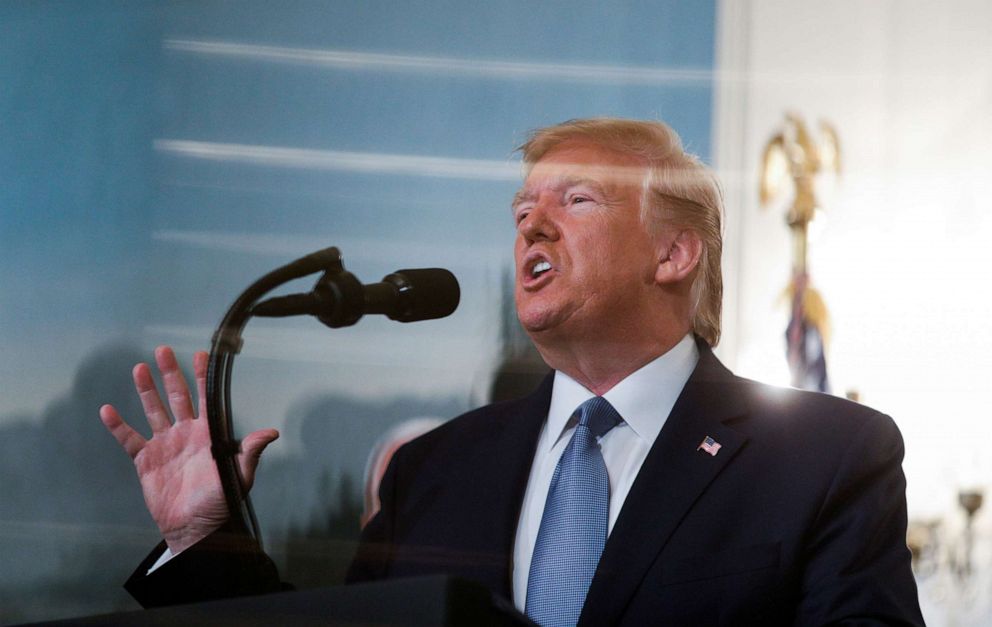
339 299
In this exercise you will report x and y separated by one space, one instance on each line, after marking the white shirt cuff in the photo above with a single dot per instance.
162 559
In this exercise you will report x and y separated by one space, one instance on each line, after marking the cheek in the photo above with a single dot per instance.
600 253
619 260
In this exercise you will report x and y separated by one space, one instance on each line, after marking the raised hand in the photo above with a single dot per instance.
177 472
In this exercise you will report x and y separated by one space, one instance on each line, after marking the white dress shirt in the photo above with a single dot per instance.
644 399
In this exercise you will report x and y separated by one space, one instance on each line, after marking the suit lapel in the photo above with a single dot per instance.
672 478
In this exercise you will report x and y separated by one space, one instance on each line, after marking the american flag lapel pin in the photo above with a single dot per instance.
709 445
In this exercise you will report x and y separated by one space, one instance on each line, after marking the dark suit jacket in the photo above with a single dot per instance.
800 518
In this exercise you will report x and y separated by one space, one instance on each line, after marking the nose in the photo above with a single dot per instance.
539 224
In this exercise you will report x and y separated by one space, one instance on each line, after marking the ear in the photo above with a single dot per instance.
678 256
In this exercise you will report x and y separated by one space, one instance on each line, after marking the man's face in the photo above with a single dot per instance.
585 262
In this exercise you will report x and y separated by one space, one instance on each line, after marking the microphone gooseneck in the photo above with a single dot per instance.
338 299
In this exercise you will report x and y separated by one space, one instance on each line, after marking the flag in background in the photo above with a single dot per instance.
805 337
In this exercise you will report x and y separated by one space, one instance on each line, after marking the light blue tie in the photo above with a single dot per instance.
575 522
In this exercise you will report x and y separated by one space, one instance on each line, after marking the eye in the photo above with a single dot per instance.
575 200
521 215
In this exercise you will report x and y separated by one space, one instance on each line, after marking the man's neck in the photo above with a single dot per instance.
599 366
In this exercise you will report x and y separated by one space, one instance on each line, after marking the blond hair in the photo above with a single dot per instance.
679 191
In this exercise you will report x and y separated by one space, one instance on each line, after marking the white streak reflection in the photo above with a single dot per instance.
515 70
362 162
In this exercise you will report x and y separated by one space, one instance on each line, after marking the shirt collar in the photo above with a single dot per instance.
643 399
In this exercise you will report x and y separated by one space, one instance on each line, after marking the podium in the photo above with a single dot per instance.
421 601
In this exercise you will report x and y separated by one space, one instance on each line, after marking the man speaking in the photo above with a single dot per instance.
641 483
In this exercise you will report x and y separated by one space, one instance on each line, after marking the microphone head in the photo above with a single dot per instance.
423 294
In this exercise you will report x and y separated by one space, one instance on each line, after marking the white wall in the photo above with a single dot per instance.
903 261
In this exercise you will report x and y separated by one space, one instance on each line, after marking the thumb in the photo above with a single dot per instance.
251 451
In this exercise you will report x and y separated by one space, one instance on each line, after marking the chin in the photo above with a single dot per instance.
548 318
532 325
536 321
545 329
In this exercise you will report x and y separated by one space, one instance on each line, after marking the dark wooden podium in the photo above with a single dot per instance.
419 601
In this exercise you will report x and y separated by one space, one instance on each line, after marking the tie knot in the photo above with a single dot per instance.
598 416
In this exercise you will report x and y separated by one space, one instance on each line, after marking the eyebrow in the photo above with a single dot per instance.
560 183
520 197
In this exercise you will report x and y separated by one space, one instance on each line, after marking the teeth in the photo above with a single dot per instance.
539 267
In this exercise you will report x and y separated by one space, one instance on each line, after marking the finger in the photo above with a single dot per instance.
174 382
251 451
200 364
155 412
128 438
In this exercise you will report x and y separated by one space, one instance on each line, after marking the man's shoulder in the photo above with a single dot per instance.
785 411
810 417
777 399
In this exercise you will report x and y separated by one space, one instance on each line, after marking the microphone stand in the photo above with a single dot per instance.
338 300
225 345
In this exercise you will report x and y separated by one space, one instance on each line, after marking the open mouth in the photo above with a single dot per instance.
539 268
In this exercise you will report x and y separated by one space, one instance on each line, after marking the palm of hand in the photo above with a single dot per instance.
176 469
181 484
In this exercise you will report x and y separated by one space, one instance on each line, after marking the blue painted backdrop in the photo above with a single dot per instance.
156 157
